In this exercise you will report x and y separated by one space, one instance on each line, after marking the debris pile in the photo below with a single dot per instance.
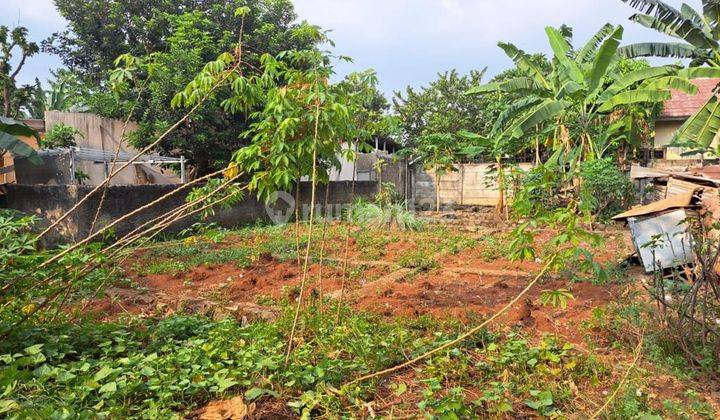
660 228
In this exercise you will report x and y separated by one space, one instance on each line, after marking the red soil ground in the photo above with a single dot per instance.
456 289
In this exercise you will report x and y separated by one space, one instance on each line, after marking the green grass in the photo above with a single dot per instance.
166 368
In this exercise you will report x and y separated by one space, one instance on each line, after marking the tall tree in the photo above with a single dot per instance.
195 38
575 104
14 46
102 30
583 108
441 107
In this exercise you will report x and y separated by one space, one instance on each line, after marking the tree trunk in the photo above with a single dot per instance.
297 219
437 190
202 165
6 100
379 189
501 187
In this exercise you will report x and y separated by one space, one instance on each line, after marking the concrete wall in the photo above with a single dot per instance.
49 202
55 170
393 171
105 134
664 131
469 184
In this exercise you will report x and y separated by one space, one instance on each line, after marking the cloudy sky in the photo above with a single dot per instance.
407 41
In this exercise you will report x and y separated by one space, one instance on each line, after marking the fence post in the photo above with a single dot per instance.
462 184
72 166
182 169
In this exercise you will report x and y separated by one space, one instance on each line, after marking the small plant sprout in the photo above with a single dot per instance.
556 298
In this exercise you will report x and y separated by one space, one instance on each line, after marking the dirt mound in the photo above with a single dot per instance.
444 294
232 409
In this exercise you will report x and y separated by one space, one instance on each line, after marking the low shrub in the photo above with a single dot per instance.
606 187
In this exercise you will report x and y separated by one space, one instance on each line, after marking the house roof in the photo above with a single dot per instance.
682 105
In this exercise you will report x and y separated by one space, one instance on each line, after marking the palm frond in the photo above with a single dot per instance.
538 115
523 62
688 13
658 8
711 13
513 111
699 72
702 127
633 97
588 50
562 50
658 49
482 89
17 147
679 28
605 56
672 82
633 77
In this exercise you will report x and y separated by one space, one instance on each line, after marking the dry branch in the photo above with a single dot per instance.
462 337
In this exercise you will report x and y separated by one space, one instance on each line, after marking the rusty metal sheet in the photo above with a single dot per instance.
641 172
662 241
680 201
678 187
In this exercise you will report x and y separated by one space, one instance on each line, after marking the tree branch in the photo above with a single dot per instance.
19 67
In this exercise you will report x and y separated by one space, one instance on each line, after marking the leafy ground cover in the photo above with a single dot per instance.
204 318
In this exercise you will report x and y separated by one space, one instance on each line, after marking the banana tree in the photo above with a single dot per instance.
698 33
582 97
10 129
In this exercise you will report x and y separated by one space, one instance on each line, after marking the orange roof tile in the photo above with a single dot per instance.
683 105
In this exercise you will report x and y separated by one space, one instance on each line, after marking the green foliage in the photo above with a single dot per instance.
60 136
442 107
102 30
556 298
698 31
168 367
66 93
382 216
301 123
15 47
419 260
182 37
582 105
699 36
15 236
610 190
10 129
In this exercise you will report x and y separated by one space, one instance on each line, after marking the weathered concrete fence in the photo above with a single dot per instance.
49 202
